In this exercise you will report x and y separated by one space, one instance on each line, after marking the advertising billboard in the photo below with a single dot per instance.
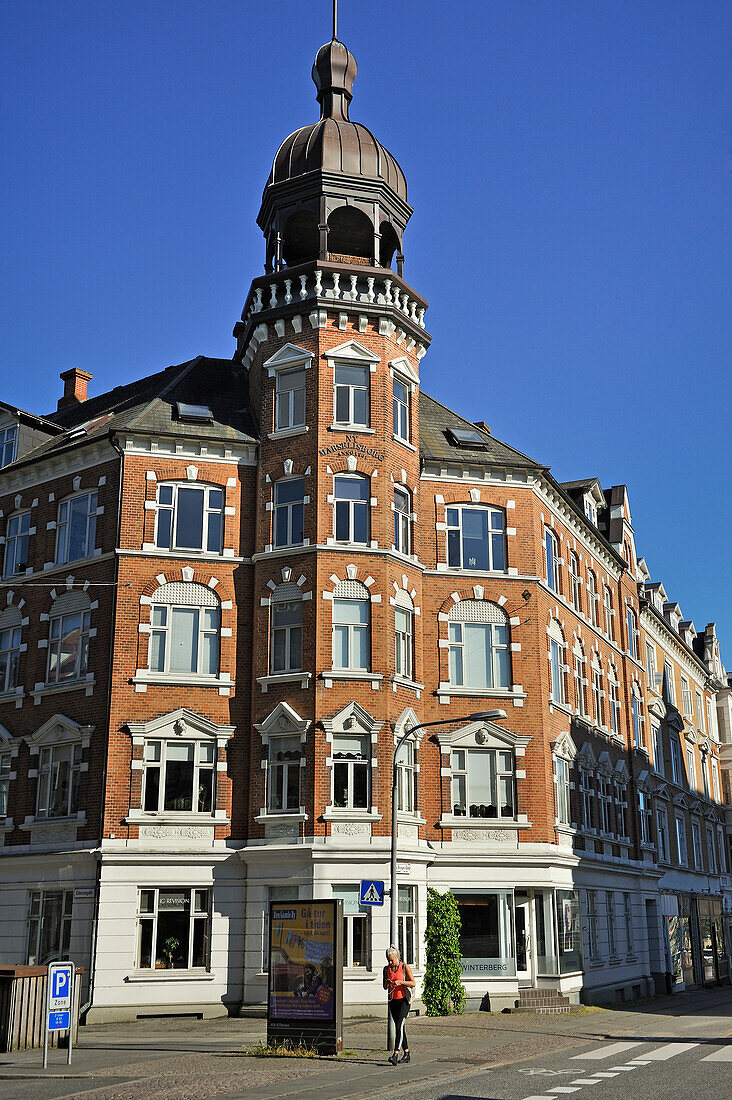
305 996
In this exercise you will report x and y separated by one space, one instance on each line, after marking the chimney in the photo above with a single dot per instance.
483 426
75 382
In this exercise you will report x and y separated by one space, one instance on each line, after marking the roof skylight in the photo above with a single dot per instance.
467 437
197 414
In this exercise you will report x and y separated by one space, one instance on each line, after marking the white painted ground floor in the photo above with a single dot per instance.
162 930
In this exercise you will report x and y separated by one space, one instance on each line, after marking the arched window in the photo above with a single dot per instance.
580 680
476 537
185 620
556 661
402 520
404 635
189 517
575 579
10 627
389 244
300 238
551 559
352 500
607 603
68 637
614 686
352 627
285 650
350 233
479 645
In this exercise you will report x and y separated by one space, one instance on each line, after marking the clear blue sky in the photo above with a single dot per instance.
569 167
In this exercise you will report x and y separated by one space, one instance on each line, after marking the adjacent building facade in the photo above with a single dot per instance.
230 587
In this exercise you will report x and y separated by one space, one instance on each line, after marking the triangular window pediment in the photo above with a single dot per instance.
283 719
289 355
403 367
564 747
179 723
586 757
352 719
484 735
353 351
57 730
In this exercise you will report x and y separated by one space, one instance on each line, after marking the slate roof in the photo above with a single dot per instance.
148 405
435 444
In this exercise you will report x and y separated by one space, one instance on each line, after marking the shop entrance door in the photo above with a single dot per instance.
524 947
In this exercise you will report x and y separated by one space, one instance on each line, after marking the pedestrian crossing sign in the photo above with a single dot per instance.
372 892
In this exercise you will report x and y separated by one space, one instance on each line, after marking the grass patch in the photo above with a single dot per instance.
285 1049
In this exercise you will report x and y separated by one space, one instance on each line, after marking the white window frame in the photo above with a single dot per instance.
6 767
696 845
632 627
562 770
350 762
682 848
621 810
61 627
200 767
556 666
636 704
593 599
280 772
607 603
587 798
63 526
196 914
611 927
404 642
551 559
613 687
351 628
591 909
493 535
401 408
687 698
628 916
11 647
37 902
291 634
670 681
576 581
8 444
458 641
293 512
17 534
662 833
363 914
171 509
597 695
164 631
605 800
407 939
403 521
699 699
712 850
677 768
363 503
406 764
578 673
659 764
691 767
645 815
503 780
50 775
286 399
351 387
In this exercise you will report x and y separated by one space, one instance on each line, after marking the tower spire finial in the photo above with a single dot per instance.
335 19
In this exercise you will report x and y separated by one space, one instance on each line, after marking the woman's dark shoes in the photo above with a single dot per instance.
405 1056
394 1058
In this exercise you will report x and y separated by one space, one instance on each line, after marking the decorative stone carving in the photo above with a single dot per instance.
56 836
493 836
408 832
176 832
350 828
284 831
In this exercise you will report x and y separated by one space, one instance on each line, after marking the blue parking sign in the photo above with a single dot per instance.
59 1021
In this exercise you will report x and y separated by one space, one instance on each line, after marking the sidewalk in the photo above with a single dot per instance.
190 1060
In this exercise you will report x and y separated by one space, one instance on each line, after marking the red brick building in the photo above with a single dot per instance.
228 588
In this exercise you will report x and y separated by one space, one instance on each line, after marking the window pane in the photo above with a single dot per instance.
351 611
179 779
164 527
360 786
360 407
477 668
352 488
340 647
482 780
210 654
151 796
342 521
213 536
189 519
157 651
360 523
361 649
351 376
171 949
205 790
184 639
288 491
475 538
342 409
340 785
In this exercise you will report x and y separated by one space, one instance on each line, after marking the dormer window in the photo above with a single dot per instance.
8 444
591 511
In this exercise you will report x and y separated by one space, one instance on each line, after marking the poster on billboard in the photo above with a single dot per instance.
305 997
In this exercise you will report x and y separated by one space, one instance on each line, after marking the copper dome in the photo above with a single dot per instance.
334 143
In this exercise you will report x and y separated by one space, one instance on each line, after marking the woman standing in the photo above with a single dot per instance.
399 981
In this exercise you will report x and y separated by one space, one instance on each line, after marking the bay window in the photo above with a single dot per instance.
476 538
8 444
479 646
174 929
179 776
483 783
189 517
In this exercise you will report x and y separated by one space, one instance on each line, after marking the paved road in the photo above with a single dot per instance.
675 1049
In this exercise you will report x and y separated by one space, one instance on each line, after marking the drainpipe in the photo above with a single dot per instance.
98 853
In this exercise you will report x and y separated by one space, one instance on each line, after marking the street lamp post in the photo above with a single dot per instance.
479 716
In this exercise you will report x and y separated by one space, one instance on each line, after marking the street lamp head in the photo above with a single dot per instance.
488 716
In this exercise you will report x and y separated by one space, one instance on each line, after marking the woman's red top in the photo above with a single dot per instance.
396 993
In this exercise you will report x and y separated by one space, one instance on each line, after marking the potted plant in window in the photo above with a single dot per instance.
170 946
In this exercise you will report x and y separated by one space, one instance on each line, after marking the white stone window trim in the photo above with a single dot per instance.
57 730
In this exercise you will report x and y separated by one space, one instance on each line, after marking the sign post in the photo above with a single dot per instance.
59 998
305 990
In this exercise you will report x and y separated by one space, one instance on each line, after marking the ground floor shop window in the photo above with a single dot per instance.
486 935
174 929
49 926
407 918
356 927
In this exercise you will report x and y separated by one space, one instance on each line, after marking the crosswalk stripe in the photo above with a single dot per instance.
605 1052
604 1073
566 1088
623 1069
668 1050
724 1054
539 1098
587 1081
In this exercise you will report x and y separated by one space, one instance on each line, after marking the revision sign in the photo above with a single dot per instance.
372 892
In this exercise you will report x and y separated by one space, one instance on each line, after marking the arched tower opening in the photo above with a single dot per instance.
350 236
300 239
